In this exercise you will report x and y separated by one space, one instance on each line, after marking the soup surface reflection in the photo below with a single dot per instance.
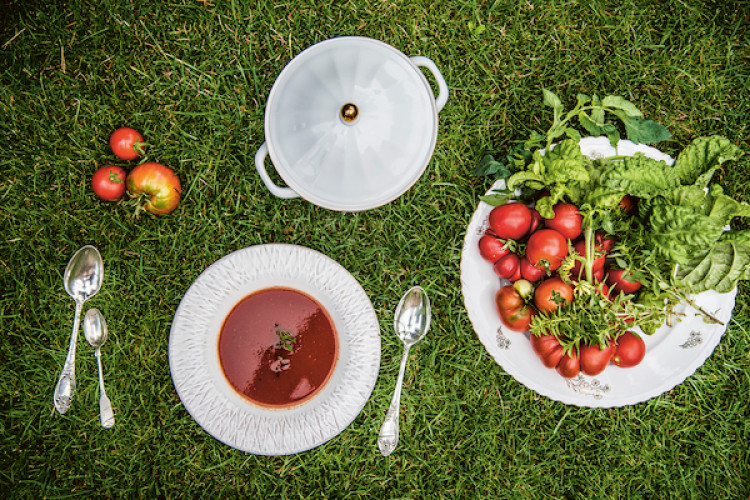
278 346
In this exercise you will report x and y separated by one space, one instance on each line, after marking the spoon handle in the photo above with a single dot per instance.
106 413
388 438
66 385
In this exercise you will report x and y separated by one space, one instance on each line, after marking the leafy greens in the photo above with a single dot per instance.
680 241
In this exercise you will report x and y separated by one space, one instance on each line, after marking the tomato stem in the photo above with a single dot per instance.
139 202
140 147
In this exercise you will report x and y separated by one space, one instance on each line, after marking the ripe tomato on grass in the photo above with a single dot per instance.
126 143
109 182
156 186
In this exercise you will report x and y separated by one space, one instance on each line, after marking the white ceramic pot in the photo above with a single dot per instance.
350 124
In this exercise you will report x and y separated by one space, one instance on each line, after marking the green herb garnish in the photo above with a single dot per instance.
286 340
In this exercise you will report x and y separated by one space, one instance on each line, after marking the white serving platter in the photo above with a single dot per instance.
672 353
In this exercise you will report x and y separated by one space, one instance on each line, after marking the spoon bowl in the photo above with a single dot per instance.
82 279
411 321
95 330
412 317
83 275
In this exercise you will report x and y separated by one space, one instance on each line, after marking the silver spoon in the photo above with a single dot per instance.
411 322
95 330
82 279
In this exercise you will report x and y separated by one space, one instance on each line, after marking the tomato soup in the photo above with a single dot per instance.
278 347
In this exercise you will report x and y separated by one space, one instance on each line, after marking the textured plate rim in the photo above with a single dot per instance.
205 392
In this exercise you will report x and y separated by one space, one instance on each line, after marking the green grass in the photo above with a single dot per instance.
194 78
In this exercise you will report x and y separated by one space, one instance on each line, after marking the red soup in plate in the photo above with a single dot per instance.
278 347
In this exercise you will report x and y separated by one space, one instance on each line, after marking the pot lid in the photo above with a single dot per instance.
351 123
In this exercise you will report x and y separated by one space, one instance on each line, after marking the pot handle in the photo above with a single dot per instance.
442 97
281 192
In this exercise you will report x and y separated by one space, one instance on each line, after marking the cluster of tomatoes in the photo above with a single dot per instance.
155 187
527 250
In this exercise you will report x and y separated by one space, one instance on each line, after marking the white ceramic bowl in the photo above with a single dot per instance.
196 368
350 124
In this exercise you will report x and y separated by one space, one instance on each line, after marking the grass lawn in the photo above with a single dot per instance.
194 77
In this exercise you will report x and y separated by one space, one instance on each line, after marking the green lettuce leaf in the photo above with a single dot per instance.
528 178
545 205
719 268
689 221
568 149
566 165
721 207
604 198
563 171
639 176
679 232
702 156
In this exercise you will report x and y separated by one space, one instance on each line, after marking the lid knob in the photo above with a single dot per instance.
349 113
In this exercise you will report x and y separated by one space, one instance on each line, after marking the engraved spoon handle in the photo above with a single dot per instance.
66 385
106 412
388 438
